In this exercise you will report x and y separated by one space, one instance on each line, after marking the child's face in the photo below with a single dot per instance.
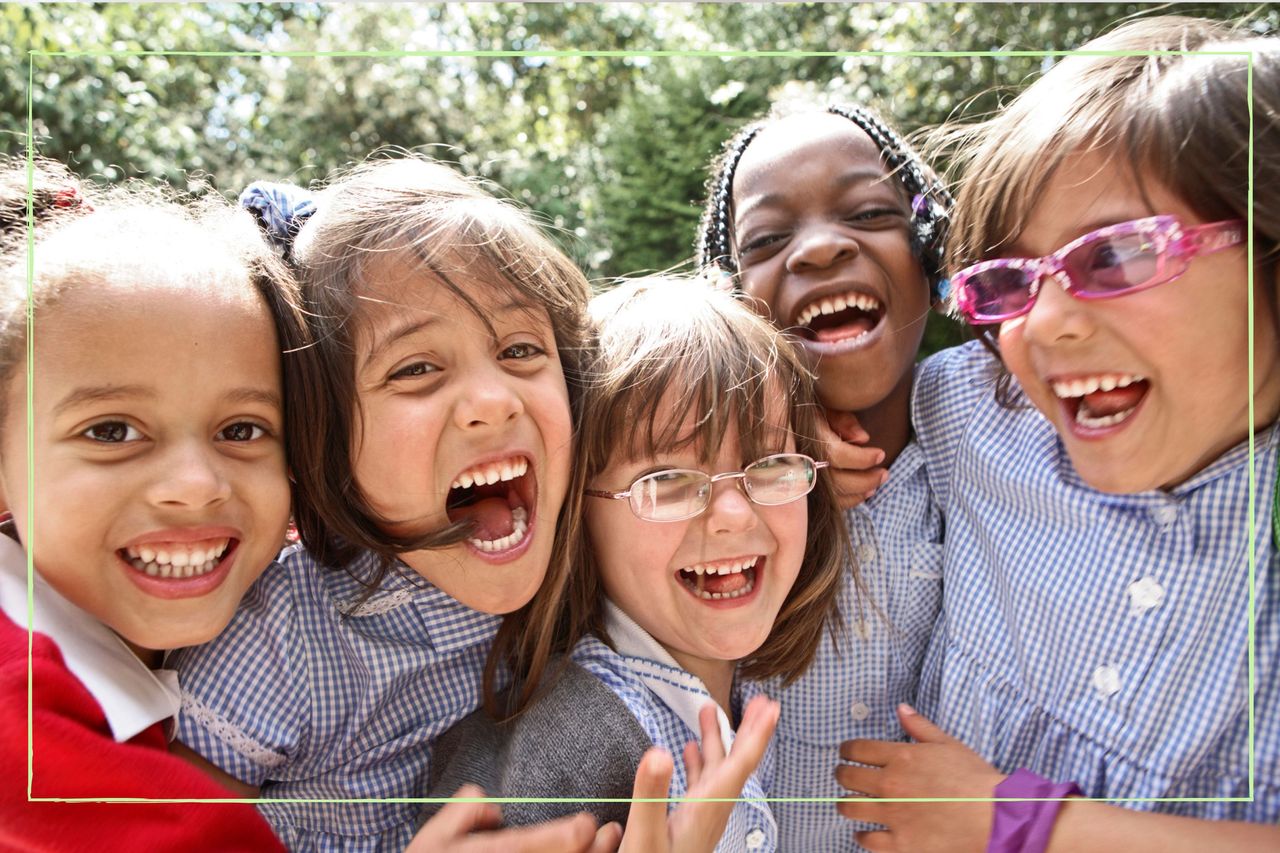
822 240
160 489
442 399
649 569
1186 340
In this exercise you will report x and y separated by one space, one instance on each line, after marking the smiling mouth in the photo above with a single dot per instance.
177 559
845 316
495 498
723 579
1102 400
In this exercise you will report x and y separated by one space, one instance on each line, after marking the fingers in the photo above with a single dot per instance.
692 764
847 426
712 743
758 722
877 753
877 841
607 839
920 728
455 820
860 808
861 780
854 474
647 822
573 834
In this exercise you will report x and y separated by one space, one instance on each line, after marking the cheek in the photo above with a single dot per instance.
763 294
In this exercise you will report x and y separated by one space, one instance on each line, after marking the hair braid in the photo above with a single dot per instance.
930 201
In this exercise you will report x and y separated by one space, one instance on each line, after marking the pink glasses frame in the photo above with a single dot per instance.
1166 232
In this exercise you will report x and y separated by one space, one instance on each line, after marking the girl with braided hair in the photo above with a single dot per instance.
835 227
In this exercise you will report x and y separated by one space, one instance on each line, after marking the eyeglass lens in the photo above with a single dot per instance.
679 494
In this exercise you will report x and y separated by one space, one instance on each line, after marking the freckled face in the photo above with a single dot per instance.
160 489
459 420
821 235
1182 345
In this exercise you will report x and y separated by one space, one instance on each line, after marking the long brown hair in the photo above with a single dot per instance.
422 213
667 338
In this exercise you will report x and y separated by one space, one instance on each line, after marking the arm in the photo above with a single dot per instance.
941 766
222 777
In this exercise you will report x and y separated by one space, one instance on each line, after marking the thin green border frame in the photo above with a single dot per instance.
1252 491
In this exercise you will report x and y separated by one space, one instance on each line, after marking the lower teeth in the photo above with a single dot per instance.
520 522
716 596
1102 420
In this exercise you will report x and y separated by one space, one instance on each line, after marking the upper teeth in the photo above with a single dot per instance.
177 559
1090 384
832 304
729 567
494 472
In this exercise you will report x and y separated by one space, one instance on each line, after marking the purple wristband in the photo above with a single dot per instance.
1024 827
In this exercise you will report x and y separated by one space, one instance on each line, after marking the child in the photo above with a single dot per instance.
680 579
147 409
1099 527
431 454
835 226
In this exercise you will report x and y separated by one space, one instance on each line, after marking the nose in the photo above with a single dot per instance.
821 246
730 510
487 401
1056 316
191 475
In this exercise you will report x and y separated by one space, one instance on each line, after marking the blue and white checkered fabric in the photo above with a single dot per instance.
1094 637
751 826
852 689
308 696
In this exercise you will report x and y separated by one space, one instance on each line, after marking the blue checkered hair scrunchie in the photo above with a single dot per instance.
280 209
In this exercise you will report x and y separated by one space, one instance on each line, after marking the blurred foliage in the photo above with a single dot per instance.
611 150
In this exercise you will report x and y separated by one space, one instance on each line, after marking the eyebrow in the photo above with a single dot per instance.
842 182
410 327
87 394
90 394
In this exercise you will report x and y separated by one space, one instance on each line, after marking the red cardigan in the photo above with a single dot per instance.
74 755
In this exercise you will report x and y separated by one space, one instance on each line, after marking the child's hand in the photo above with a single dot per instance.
853 466
472 828
937 766
697 827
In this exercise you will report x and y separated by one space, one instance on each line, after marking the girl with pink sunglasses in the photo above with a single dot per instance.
1111 605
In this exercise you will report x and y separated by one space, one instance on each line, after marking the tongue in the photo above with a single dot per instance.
724 583
846 330
492 518
1100 404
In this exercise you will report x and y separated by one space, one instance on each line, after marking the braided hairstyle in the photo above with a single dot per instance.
930 200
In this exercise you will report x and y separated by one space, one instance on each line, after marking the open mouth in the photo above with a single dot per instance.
1103 400
721 579
496 498
842 317
177 559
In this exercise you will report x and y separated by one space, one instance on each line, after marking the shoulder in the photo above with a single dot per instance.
577 740
951 376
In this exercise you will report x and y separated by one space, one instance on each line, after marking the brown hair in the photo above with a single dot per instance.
83 235
726 367
1181 119
425 214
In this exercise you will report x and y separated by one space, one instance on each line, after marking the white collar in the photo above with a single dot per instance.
681 691
132 697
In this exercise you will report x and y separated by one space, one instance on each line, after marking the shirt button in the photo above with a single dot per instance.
867 552
859 711
1106 681
1145 594
1167 514
755 839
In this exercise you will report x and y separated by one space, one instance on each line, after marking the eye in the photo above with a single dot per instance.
758 244
874 215
522 352
418 368
112 432
241 431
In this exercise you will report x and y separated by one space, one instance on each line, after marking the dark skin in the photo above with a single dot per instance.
816 218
